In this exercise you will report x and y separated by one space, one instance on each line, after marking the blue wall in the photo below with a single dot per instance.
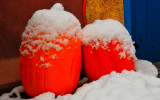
127 14
142 19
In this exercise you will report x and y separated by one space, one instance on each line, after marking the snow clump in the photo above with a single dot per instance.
46 26
146 67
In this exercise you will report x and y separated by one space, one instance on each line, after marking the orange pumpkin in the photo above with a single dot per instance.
99 62
107 47
50 58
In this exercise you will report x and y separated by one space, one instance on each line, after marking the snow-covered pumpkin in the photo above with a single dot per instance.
107 47
50 52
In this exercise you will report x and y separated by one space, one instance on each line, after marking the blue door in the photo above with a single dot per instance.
144 26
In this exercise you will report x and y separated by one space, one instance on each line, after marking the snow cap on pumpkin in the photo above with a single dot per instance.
51 21
58 6
47 25
104 31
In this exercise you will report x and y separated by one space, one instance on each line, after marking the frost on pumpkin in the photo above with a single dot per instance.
122 55
49 29
103 32
42 59
54 56
45 64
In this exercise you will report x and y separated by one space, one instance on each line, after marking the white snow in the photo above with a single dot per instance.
58 6
117 47
41 59
47 46
45 26
122 55
65 41
104 31
25 52
54 56
45 64
128 85
146 67
16 90
45 96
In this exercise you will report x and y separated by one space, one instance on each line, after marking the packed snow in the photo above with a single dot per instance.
104 31
146 67
128 85
44 28
58 6
17 91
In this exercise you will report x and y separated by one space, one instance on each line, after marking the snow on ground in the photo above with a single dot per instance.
146 67
128 85
16 91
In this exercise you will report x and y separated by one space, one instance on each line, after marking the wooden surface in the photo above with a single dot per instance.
14 15
104 9
9 74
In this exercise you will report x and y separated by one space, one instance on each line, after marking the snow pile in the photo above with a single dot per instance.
104 31
146 67
125 86
128 85
45 96
15 91
46 26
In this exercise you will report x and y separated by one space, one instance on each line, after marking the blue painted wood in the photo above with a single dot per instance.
142 20
133 18
141 28
145 28
153 30
127 15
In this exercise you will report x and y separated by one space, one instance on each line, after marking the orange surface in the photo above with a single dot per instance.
99 62
60 78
